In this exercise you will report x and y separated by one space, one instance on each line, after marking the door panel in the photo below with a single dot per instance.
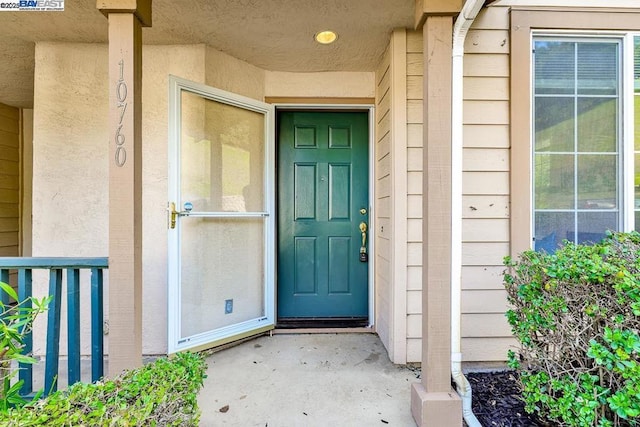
221 229
322 188
339 192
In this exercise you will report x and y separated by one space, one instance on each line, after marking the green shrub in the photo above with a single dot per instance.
161 393
576 315
16 322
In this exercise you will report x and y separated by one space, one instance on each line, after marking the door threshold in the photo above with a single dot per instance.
322 322
296 331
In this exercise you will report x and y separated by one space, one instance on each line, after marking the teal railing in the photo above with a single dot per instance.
24 267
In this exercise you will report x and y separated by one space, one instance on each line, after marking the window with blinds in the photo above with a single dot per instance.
577 143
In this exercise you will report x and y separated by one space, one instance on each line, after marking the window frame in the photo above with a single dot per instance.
620 155
525 24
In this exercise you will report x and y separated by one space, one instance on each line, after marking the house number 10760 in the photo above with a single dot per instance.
121 97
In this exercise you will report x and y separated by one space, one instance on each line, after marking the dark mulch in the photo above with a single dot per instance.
496 401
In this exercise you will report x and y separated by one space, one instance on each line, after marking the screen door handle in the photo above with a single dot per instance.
173 214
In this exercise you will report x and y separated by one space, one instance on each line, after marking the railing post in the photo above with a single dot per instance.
53 332
73 325
97 316
25 283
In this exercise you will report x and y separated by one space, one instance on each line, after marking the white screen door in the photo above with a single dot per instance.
221 223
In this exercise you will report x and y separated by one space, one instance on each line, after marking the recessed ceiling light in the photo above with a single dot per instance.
326 37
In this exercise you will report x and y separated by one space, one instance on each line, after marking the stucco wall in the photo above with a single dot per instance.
328 84
226 72
158 62
70 169
70 195
70 166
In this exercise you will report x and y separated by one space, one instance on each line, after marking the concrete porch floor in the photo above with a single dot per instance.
290 380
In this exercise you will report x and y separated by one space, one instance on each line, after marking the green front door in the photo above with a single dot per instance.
323 202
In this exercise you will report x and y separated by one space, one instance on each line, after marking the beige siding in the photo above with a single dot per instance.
415 65
486 65
483 88
414 280
414 167
492 21
485 206
414 206
9 181
485 230
398 230
482 277
484 301
414 302
414 183
486 183
487 349
414 87
414 135
391 200
486 136
414 111
485 203
383 200
414 254
485 325
483 112
485 159
488 41
485 214
414 349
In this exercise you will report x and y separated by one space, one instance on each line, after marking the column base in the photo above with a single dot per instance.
435 409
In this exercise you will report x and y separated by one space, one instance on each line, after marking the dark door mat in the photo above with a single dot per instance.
322 322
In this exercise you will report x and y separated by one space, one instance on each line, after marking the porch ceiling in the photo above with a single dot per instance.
271 34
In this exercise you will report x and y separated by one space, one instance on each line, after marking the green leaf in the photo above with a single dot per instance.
9 290
24 359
